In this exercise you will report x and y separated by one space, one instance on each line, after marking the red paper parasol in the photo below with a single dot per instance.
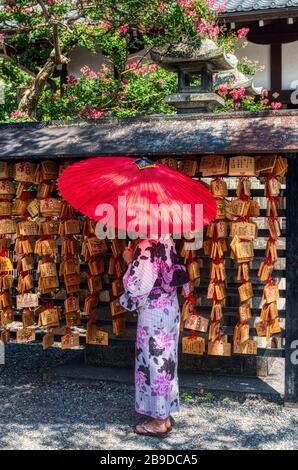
92 183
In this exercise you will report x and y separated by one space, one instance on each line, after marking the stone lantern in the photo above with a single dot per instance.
195 68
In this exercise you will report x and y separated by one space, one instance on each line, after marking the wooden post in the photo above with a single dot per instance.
291 353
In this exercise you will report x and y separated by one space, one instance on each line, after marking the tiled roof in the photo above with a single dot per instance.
250 5
239 133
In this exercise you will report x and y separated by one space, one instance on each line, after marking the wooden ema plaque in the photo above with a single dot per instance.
242 166
219 347
193 345
96 336
47 340
71 340
212 165
27 300
197 323
25 335
116 307
250 347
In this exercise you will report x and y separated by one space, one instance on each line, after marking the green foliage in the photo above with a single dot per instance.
186 396
117 29
11 78
140 90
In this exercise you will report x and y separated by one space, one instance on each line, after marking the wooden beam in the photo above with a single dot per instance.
253 15
291 361
275 67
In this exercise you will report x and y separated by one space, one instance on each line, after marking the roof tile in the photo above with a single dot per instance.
250 5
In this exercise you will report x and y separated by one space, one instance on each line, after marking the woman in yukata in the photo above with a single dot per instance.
150 284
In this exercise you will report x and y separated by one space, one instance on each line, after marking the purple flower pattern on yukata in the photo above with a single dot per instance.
162 384
142 337
160 303
163 340
140 378
150 285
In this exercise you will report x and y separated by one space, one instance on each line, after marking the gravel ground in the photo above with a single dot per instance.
37 415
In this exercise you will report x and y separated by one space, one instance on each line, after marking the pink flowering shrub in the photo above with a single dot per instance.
142 88
125 87
236 99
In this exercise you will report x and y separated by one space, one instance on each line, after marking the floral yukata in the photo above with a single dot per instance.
150 284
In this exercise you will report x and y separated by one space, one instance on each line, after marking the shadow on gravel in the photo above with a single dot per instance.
37 415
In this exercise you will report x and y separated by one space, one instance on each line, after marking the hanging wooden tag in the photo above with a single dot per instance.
96 246
265 163
197 323
5 264
242 166
44 190
244 250
5 336
71 304
261 328
271 293
119 326
7 316
5 208
188 167
72 226
5 170
94 284
50 207
245 291
216 312
193 270
170 162
219 188
46 284
7 226
50 227
47 340
25 335
117 287
72 279
118 247
49 170
73 319
49 317
273 187
33 208
273 311
213 165
48 270
244 312
28 318
244 230
6 188
221 229
25 171
27 300
219 348
96 266
28 228
116 307
250 347
96 336
195 346
70 341
219 292
221 209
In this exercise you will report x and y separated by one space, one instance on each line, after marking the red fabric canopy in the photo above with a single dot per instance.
87 184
